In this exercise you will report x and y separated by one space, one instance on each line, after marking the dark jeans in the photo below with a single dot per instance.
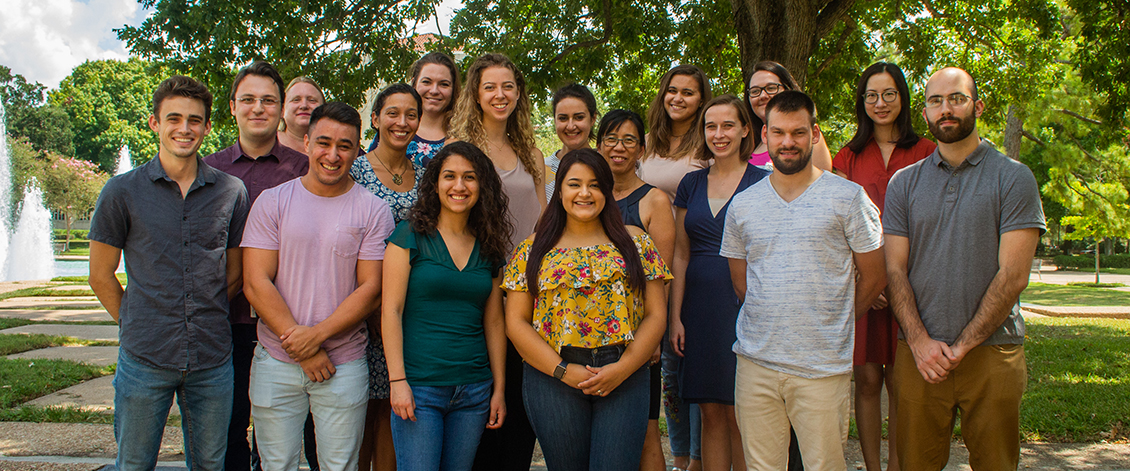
510 447
579 432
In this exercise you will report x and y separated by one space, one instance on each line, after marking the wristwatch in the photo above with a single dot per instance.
559 372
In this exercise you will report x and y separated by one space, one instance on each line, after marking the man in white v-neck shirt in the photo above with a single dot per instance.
805 250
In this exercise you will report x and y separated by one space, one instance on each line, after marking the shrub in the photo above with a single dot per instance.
1087 262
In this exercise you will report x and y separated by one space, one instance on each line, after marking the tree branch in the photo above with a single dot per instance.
829 16
839 49
1080 117
929 5
607 7
1033 138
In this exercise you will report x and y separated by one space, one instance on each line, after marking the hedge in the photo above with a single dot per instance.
1087 262
75 234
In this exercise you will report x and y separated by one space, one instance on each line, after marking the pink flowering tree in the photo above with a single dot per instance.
71 187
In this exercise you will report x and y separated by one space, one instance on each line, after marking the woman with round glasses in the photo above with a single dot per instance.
767 80
884 142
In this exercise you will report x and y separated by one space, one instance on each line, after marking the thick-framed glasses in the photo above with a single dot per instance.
267 101
955 100
769 89
629 142
888 96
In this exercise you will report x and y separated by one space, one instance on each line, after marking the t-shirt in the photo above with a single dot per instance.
953 219
798 316
442 321
319 240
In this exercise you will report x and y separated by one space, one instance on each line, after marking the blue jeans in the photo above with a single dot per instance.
143 395
684 427
579 432
449 422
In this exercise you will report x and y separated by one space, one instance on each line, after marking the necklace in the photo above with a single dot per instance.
396 179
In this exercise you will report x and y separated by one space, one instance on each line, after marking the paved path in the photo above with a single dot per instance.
105 333
1063 277
98 356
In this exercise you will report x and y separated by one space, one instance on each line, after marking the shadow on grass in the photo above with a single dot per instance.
1078 380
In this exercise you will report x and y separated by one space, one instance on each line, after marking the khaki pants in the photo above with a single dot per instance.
986 387
767 401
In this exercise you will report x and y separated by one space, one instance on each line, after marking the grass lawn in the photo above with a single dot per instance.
56 414
17 343
1059 295
44 292
1078 380
8 323
24 380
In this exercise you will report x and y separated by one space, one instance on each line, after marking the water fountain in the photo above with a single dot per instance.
124 162
25 254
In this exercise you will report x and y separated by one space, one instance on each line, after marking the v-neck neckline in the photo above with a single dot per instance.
802 194
451 259
737 189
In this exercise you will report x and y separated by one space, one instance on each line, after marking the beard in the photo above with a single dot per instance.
789 168
965 126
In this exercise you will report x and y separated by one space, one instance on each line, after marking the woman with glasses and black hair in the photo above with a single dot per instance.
767 80
884 142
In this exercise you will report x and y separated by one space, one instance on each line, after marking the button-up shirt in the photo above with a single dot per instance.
282 164
174 312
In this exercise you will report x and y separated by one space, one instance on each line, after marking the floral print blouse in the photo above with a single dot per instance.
583 297
363 173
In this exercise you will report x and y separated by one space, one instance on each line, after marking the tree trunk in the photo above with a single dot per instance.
1098 245
67 240
1013 132
786 31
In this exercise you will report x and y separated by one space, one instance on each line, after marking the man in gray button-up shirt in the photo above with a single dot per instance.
961 228
178 222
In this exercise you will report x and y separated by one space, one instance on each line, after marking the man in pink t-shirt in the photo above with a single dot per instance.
312 272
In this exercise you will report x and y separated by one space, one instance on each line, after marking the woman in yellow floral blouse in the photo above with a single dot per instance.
585 319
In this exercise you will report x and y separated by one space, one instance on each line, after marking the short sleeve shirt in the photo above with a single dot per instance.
442 319
798 316
174 312
398 202
953 218
868 170
319 241
583 296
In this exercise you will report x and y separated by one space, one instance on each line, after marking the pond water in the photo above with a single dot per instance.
77 268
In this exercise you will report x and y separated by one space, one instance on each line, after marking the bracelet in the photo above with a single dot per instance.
396 380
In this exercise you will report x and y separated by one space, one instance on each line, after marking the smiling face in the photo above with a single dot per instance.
498 93
761 79
682 98
301 99
621 157
398 120
458 185
790 137
332 147
435 84
724 130
255 114
580 194
573 123
181 126
881 112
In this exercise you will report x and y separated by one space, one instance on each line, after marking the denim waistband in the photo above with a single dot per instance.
597 357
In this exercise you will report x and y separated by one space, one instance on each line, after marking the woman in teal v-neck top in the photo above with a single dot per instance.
442 323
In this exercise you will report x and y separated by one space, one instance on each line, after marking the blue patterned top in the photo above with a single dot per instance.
362 173
420 150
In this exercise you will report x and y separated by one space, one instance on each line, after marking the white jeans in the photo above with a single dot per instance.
767 401
281 397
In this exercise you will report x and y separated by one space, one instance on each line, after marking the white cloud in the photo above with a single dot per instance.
44 39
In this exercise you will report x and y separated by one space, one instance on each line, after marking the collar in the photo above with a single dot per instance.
237 151
972 160
204 173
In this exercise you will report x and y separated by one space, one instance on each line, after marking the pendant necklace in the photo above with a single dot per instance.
396 179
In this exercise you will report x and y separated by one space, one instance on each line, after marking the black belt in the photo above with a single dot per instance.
596 357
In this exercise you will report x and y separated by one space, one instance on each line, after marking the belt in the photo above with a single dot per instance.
596 357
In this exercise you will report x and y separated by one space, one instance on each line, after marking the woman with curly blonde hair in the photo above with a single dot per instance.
493 113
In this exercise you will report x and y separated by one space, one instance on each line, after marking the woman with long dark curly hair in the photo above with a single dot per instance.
598 316
442 319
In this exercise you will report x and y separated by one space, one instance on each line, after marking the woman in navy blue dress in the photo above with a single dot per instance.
704 308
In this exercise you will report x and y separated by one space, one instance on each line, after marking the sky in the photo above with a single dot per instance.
44 39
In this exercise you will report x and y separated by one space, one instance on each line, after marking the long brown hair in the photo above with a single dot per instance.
661 125
552 222
468 122
438 58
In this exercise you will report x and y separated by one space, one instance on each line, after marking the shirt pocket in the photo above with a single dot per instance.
347 241
212 232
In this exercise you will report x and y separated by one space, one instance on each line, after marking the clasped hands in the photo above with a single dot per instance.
936 359
594 380
303 344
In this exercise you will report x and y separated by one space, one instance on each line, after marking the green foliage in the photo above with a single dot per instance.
71 187
28 116
1087 262
1105 61
56 414
75 233
1060 295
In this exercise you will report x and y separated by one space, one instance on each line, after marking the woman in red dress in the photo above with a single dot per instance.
884 142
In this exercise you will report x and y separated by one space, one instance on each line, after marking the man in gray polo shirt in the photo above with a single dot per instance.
961 228
178 222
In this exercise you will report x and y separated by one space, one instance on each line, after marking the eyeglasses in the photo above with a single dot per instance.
630 142
769 88
267 101
888 96
955 100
